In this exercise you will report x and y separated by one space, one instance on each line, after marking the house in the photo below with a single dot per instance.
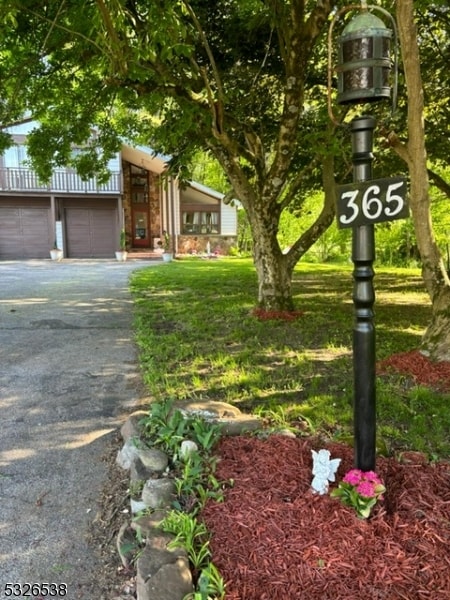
85 218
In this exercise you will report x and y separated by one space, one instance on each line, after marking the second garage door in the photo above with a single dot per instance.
91 232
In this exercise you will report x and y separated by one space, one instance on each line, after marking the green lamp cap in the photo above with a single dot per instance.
364 21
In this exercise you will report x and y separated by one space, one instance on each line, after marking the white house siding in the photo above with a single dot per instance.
228 219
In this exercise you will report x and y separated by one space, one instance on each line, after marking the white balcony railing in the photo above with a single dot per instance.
26 180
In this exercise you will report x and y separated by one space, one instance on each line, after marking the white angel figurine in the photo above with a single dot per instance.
323 470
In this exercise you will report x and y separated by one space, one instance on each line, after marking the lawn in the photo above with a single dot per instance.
198 339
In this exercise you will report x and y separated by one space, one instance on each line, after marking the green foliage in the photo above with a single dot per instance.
123 240
195 483
350 494
210 585
168 427
189 534
298 373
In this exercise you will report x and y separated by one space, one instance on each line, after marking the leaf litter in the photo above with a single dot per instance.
274 539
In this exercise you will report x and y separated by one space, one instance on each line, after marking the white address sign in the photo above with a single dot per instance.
369 202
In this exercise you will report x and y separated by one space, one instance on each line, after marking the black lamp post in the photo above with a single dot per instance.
363 76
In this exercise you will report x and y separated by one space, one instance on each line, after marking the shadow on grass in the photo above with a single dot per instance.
198 339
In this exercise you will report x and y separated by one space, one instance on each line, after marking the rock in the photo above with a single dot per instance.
240 425
138 472
146 524
413 457
187 448
232 420
145 461
128 453
131 427
208 410
163 574
170 582
287 433
154 460
126 544
158 493
137 506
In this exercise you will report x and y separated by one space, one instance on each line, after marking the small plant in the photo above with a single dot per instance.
190 535
135 489
165 427
210 585
168 427
196 484
360 490
123 240
166 241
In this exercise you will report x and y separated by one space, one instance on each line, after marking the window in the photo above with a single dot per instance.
199 221
200 214
15 157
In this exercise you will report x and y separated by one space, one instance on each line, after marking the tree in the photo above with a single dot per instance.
229 76
436 342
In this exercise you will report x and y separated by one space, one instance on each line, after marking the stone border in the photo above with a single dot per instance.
163 573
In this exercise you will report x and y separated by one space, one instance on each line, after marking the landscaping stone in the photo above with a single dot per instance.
210 410
128 453
232 420
239 425
143 462
158 493
137 506
154 460
147 523
162 573
126 544
187 448
131 428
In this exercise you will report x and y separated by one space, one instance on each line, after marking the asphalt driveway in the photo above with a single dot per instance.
68 378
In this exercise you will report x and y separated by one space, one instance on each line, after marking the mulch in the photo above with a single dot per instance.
421 369
273 539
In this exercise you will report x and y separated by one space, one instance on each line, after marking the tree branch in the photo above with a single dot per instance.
439 182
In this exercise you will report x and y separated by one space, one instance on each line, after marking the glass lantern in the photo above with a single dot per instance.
364 60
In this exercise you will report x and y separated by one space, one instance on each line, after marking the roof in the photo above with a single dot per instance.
145 157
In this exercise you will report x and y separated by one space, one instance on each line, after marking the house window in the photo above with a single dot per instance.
15 156
197 221
200 212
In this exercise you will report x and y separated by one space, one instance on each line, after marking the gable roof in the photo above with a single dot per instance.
145 157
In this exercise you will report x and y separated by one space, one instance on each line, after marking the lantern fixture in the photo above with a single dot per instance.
364 58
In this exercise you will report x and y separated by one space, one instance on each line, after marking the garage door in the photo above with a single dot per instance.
25 231
91 232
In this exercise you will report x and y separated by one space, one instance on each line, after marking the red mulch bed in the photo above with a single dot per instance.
273 539
420 368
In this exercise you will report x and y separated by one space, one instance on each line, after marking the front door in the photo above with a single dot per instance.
141 237
140 207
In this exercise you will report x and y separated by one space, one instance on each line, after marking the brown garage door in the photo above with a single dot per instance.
25 229
91 231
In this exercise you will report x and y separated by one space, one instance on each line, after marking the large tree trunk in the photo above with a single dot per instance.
436 342
273 268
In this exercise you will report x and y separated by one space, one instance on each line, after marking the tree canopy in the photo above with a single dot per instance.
245 80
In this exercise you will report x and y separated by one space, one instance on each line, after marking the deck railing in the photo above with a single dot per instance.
62 181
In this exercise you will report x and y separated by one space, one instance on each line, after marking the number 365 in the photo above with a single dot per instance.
373 204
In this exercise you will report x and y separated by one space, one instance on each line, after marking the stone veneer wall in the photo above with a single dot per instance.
193 244
154 203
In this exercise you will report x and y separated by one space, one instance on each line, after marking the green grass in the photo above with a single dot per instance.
198 340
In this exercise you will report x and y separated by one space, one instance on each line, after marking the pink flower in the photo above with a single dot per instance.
353 477
372 476
366 489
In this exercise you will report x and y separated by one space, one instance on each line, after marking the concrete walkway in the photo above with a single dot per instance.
68 378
